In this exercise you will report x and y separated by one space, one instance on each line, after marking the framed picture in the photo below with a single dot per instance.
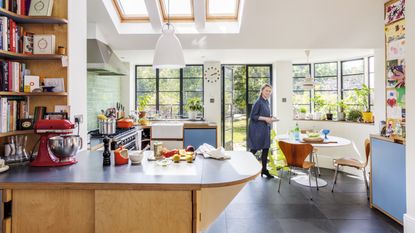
41 8
394 11
57 83
44 44
395 31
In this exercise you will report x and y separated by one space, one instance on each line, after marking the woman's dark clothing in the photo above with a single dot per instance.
259 131
264 157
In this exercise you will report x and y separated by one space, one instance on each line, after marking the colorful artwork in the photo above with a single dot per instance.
395 50
395 76
393 109
394 11
395 31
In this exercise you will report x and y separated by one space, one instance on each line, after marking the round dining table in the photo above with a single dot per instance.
330 142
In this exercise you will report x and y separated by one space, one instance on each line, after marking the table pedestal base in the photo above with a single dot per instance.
303 180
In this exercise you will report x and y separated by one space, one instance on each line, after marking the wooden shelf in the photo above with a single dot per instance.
19 132
24 19
5 93
20 56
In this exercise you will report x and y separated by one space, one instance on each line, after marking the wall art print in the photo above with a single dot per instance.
395 31
395 75
395 50
394 11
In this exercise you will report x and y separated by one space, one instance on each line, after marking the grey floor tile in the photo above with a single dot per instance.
363 226
218 226
347 211
307 225
258 225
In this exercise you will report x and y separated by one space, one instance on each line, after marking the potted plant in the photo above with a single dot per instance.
341 115
303 112
354 115
362 97
143 101
193 106
329 115
319 102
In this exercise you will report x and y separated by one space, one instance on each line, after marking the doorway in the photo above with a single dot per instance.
240 88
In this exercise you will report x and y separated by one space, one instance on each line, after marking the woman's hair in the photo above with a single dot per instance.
263 87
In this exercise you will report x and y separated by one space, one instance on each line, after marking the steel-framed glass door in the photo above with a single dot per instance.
239 93
227 106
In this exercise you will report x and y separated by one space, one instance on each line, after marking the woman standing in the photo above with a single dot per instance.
260 127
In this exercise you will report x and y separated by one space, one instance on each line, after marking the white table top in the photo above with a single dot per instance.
339 141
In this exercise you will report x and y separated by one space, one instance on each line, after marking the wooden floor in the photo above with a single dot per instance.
260 208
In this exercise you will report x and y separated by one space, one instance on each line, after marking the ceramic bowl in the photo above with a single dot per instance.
136 156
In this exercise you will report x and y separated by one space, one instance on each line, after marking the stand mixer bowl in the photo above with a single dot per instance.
65 147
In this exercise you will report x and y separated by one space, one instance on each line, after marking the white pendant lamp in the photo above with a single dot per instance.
308 83
169 52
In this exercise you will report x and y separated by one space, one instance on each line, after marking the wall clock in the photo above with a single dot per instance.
212 74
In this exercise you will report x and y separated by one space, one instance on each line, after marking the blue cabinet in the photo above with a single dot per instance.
388 178
197 137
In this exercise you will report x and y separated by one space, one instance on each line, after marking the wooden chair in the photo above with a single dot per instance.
315 150
295 154
350 162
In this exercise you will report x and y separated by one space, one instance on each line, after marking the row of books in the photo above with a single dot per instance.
20 7
13 38
12 76
12 111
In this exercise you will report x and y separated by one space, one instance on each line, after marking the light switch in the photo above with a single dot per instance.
212 100
284 100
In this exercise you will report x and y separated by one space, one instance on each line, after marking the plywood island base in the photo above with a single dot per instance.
113 211
87 197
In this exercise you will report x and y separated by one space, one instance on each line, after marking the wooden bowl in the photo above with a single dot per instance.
317 139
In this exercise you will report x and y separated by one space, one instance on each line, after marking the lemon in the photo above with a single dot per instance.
176 158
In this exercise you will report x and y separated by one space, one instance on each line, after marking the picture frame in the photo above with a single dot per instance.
57 83
394 11
41 8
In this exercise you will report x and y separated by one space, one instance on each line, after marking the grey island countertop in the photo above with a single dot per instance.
89 173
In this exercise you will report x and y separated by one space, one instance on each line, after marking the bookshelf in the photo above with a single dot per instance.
3 93
44 66
23 19
20 56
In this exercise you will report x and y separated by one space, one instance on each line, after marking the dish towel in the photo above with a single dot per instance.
208 151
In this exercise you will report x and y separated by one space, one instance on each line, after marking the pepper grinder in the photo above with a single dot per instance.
107 153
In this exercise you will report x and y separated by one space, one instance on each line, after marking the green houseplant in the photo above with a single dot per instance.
362 97
193 106
341 116
354 115
303 111
319 102
143 101
330 107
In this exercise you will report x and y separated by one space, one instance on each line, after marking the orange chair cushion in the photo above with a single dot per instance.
349 162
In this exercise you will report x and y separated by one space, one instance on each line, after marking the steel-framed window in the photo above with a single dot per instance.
301 97
169 88
326 83
352 76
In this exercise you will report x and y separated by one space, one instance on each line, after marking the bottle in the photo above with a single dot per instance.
297 132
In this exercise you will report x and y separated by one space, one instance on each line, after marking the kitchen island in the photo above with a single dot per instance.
87 197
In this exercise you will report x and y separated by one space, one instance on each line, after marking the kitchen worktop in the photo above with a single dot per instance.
186 124
89 173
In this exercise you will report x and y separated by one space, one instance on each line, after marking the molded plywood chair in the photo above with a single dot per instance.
315 150
295 154
350 162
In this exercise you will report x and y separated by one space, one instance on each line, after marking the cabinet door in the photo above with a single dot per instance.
389 178
65 211
197 137
118 211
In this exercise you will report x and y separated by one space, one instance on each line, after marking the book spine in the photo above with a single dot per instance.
12 36
1 32
1 76
4 32
9 75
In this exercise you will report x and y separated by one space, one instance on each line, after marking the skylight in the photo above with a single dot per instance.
131 9
179 9
222 9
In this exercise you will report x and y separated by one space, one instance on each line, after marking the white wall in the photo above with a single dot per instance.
410 110
357 133
212 91
77 83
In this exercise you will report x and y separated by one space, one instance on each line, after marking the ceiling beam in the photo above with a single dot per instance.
154 14
200 13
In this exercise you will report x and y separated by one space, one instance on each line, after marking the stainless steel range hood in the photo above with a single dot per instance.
103 61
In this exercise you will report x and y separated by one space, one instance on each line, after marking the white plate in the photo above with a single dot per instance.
164 162
5 168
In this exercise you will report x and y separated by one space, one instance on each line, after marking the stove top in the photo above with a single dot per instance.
118 133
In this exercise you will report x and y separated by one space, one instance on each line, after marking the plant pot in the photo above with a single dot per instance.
367 117
341 116
192 115
329 116
316 116
142 114
301 116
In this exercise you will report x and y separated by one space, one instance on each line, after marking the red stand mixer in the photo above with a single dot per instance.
55 138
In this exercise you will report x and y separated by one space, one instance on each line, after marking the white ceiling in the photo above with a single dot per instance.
270 30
